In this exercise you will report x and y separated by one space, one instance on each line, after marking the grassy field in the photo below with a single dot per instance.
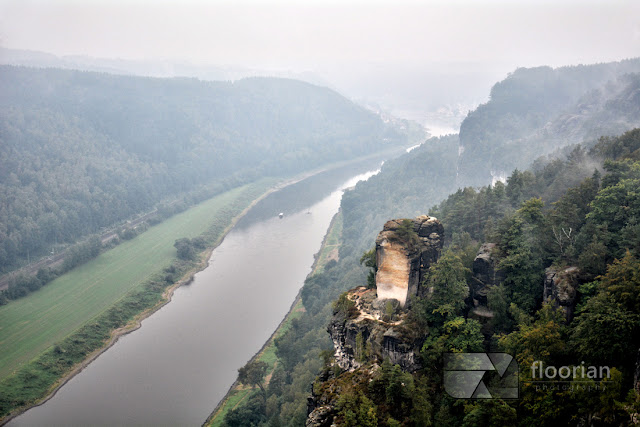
30 325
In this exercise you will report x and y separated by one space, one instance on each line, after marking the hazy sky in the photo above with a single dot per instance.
409 57
315 34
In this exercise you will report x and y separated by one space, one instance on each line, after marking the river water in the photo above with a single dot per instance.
181 362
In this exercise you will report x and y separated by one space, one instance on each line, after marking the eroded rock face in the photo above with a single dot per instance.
321 416
561 285
485 274
392 277
367 336
374 327
403 264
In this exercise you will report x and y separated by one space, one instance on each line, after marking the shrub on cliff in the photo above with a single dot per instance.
345 306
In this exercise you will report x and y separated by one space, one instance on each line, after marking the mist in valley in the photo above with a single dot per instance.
428 61
196 198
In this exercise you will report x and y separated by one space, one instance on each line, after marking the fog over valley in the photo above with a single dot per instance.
409 57
319 213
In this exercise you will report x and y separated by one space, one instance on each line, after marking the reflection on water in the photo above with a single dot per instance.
181 362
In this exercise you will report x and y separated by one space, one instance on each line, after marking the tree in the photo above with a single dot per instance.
569 214
253 374
406 234
622 282
608 329
616 204
458 335
278 380
493 413
498 303
524 252
252 413
356 410
543 340
185 249
345 306
447 279
368 259
517 185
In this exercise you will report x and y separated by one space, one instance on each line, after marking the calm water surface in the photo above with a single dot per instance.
180 363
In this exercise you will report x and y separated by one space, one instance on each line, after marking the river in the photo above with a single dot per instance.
181 362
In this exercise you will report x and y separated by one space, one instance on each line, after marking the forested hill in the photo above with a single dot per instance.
535 110
572 218
555 283
578 209
80 151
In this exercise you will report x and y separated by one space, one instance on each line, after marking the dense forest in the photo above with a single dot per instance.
593 192
410 185
591 226
576 207
82 151
536 110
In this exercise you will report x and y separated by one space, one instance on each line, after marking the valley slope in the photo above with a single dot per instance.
532 113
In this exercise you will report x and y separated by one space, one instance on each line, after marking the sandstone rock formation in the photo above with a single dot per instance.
368 336
403 260
485 274
321 416
560 286
375 330
370 326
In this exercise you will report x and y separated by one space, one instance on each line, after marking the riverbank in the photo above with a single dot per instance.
67 357
238 393
37 381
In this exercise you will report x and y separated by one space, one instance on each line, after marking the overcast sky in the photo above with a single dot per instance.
317 34
409 57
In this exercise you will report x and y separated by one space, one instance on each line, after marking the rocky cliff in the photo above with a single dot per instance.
373 332
561 287
370 325
560 284
485 275
404 251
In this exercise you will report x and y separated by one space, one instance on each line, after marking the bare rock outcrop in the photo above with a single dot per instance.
373 329
374 332
404 255
322 416
560 287
369 325
485 274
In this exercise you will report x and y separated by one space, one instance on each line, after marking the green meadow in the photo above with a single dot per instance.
30 325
